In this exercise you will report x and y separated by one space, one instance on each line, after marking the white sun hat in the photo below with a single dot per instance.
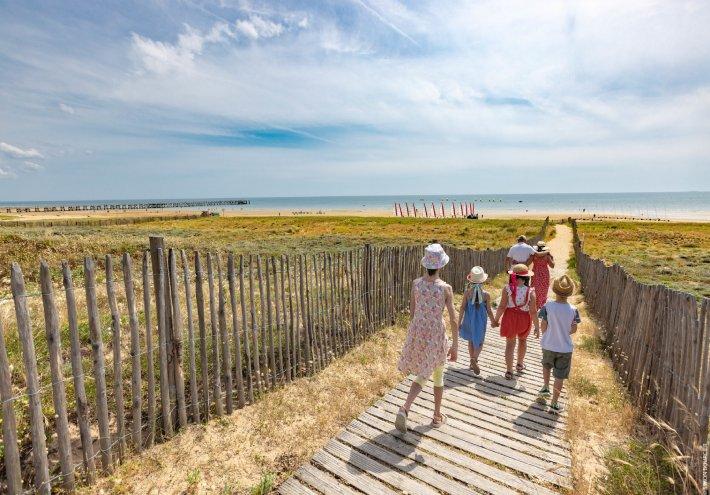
434 257
477 275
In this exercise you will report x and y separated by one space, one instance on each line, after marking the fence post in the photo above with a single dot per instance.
149 351
56 365
97 350
176 341
194 397
117 373
9 424
165 403
136 383
200 299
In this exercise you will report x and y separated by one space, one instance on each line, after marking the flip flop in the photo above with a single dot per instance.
508 375
400 421
520 367
474 367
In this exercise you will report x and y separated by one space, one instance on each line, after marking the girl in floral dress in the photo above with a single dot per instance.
426 347
542 262
518 307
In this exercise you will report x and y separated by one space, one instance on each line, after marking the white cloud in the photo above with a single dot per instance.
6 173
16 152
66 109
32 166
258 27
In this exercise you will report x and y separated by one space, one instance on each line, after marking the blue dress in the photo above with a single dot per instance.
475 320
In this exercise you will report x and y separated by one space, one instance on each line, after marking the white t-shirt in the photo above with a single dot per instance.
520 252
559 316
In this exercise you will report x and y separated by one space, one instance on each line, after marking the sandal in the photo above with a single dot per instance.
474 367
440 422
556 408
400 421
508 375
520 367
542 396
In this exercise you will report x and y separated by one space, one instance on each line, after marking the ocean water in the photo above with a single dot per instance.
663 205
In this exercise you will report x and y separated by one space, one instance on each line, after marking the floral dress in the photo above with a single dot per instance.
426 345
541 280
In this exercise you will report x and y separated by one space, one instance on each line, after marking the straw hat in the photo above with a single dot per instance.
477 275
521 270
563 286
542 247
434 257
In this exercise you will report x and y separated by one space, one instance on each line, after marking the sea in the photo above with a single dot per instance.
651 205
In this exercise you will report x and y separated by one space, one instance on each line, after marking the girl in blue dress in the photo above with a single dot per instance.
474 313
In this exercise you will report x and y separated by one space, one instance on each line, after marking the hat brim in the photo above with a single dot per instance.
480 280
443 261
528 274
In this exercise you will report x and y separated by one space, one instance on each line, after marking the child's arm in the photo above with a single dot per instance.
533 313
575 322
501 307
487 299
453 350
550 261
542 315
462 309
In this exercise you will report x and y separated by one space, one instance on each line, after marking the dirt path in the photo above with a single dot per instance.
560 247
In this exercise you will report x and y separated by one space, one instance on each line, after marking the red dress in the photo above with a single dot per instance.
516 320
541 280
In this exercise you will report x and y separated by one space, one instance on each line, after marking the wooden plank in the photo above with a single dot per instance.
418 469
288 319
117 371
176 348
160 299
270 320
351 475
11 453
214 327
202 326
310 366
232 280
294 487
56 366
97 352
322 481
264 360
194 395
150 365
433 458
224 338
280 329
136 382
417 438
245 328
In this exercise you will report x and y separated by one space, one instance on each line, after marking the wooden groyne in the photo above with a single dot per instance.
126 206
96 222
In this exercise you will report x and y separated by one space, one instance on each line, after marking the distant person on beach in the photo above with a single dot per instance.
559 322
426 347
474 314
518 309
520 252
542 262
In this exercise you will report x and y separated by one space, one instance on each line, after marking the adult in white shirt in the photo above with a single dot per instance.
522 252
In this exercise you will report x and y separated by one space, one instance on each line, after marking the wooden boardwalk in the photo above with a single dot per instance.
497 439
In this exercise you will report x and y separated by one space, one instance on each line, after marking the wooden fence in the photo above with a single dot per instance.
138 349
660 346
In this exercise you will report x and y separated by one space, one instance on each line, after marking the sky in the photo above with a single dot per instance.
242 98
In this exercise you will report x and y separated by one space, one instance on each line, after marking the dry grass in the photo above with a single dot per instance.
270 438
674 254
600 415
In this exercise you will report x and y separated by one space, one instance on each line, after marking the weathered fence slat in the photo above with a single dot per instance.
97 351
176 344
116 347
150 365
194 397
245 331
231 278
204 366
224 338
254 329
216 361
13 473
56 365
165 403
136 382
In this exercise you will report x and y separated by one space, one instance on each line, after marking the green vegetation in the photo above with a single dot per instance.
674 254
638 468
265 485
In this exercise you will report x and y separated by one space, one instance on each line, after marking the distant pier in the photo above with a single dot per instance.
127 206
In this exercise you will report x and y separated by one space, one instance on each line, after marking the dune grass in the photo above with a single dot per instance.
674 254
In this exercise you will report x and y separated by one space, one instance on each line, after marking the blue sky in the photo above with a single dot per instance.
190 98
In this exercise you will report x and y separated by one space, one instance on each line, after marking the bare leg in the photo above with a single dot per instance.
476 353
556 391
438 394
413 392
471 353
509 349
522 348
546 376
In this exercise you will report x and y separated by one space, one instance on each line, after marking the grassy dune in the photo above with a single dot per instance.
26 245
674 254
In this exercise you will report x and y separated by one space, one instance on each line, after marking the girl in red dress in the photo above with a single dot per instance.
518 308
542 262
